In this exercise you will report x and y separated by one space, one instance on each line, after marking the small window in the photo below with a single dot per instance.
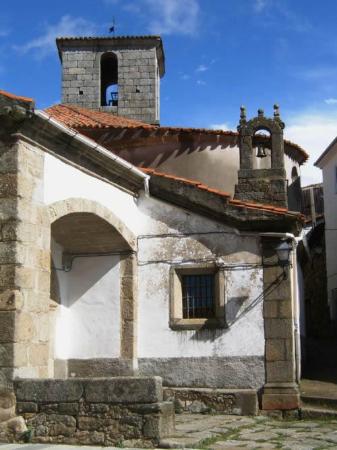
197 298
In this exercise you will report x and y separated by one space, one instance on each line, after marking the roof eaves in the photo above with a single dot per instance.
325 153
94 146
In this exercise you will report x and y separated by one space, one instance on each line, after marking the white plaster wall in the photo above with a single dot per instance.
330 213
88 319
222 166
145 216
243 289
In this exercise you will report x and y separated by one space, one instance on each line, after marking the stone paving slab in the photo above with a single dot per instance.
261 432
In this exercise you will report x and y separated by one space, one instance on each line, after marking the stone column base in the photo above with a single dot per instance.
280 396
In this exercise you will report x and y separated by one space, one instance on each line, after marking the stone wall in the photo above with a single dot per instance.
24 274
138 78
121 411
213 401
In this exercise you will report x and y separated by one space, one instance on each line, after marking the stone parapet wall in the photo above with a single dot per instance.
124 411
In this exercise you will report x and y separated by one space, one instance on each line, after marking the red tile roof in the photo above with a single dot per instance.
86 119
15 97
77 118
237 203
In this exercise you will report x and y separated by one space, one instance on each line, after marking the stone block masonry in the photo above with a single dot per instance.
123 411
139 67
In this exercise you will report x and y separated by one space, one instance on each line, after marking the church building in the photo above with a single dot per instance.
143 268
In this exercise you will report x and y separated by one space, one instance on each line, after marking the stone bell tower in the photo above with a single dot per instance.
120 75
262 185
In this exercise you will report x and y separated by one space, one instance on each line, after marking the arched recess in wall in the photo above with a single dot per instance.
78 205
294 174
109 79
92 277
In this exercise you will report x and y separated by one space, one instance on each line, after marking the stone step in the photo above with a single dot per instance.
317 413
319 402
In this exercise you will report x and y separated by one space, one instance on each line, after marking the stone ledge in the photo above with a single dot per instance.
124 390
99 390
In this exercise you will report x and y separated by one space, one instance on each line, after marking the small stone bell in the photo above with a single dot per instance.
261 151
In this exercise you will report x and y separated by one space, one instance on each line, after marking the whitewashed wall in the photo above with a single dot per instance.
148 216
330 214
88 319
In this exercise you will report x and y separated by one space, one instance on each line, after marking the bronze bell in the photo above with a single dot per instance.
261 151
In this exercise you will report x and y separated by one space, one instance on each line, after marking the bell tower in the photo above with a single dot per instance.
262 183
120 75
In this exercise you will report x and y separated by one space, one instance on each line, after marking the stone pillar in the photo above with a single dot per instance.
14 329
32 235
129 306
281 390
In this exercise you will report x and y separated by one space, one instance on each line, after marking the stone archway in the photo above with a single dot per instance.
80 205
87 227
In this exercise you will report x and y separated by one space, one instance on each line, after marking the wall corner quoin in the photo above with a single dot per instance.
281 389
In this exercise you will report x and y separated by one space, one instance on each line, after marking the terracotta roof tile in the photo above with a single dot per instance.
81 118
234 202
16 97
195 183
87 119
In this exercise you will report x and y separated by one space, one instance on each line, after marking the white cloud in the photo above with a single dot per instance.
201 82
313 132
4 32
201 68
260 5
330 101
316 73
220 126
173 16
43 45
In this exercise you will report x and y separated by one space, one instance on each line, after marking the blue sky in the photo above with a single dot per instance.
219 54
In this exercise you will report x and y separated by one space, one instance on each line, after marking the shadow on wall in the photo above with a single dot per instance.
235 312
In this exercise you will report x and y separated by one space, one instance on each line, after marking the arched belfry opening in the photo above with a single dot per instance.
262 146
262 176
109 79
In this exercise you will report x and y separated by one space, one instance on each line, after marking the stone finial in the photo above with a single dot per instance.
260 112
276 111
243 115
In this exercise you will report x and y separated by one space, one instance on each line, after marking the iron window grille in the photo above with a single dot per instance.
198 296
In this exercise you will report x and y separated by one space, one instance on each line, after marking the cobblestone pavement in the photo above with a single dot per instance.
233 432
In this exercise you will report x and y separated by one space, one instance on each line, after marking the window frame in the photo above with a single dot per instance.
177 322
